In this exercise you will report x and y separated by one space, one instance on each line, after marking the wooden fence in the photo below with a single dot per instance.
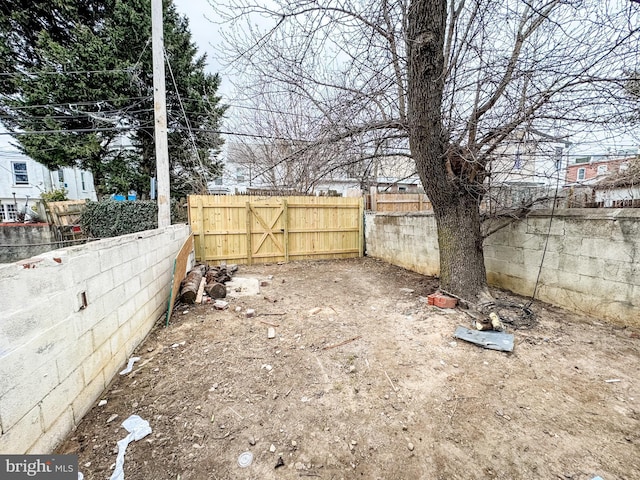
249 229
399 202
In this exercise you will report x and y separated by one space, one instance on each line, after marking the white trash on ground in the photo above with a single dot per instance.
138 429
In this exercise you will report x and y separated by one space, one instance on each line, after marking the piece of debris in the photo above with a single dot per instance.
496 324
250 313
238 309
200 291
342 343
272 448
252 440
112 418
407 290
245 459
315 311
102 403
220 305
132 360
271 332
138 429
267 367
264 283
613 380
279 463
410 446
492 340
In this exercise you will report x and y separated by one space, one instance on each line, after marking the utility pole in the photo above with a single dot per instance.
160 112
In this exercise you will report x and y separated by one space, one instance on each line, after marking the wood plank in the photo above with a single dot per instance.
201 234
179 272
285 213
200 293
249 247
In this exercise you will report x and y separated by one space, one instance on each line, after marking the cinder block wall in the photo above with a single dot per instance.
591 264
19 240
56 356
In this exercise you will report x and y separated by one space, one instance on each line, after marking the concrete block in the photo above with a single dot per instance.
111 257
119 339
132 285
104 329
56 402
540 226
71 359
114 298
127 310
83 402
84 320
31 356
596 228
122 273
54 435
23 435
96 362
581 265
118 361
84 267
608 250
626 272
99 285
19 400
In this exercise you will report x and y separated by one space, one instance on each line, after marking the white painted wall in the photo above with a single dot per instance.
55 357
590 266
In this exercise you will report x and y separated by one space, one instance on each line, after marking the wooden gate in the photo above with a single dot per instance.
248 229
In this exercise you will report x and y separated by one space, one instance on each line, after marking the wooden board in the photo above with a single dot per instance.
250 229
179 272
400 202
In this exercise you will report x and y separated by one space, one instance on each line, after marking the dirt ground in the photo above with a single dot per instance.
364 380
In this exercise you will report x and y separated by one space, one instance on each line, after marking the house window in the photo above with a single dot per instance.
582 173
583 159
518 162
60 177
84 185
218 181
240 175
602 169
20 175
11 213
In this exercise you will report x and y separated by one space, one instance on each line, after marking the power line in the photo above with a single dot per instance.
77 103
68 72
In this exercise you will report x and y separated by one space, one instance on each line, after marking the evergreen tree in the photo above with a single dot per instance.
86 82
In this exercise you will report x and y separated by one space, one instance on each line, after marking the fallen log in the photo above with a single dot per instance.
191 284
216 290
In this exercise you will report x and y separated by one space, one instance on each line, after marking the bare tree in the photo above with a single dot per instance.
453 80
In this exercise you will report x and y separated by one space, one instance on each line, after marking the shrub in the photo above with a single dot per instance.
110 218
55 195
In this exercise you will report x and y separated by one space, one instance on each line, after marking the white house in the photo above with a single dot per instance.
530 157
22 180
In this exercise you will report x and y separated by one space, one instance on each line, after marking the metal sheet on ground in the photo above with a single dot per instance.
488 339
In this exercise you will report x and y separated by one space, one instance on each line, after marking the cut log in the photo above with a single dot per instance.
190 285
216 290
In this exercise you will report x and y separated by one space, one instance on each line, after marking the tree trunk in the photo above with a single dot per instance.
451 185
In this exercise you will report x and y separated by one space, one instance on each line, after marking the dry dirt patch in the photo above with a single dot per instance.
364 380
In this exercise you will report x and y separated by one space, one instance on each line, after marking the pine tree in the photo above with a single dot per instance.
87 82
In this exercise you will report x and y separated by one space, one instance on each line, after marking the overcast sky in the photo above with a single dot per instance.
207 37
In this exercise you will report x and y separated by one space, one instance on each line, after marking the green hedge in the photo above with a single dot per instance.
110 218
